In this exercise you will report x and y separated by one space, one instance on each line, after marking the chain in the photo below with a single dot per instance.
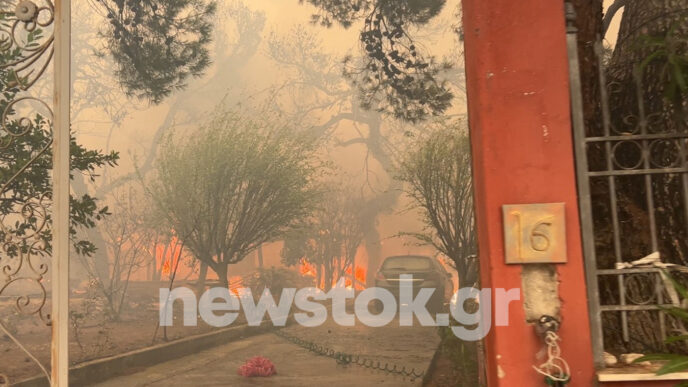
555 369
349 358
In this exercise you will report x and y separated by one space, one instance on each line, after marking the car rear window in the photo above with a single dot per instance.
407 263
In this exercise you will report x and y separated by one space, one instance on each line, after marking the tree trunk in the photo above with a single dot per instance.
645 17
381 203
374 250
163 259
320 275
203 272
642 18
353 271
327 276
221 271
589 25
259 251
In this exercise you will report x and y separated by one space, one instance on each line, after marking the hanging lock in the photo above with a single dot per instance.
547 323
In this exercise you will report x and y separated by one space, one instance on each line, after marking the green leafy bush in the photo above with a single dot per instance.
674 362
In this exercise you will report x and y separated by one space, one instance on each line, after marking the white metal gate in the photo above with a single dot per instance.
34 34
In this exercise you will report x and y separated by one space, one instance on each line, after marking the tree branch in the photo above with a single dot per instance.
611 12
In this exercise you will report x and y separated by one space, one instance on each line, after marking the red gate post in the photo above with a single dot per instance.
519 113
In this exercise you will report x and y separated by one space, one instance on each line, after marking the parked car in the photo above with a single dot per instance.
427 272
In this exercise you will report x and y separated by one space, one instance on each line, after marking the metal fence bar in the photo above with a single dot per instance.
618 308
684 180
627 271
626 137
649 191
646 161
611 181
632 172
631 312
584 201
60 256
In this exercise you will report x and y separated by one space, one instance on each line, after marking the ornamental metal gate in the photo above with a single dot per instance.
34 228
632 172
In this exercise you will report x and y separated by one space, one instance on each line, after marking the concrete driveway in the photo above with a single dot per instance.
296 366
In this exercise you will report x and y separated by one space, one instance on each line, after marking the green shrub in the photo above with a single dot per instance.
674 362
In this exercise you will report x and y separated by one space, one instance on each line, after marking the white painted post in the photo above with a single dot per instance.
60 205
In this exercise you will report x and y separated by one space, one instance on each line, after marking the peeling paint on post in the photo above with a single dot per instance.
540 292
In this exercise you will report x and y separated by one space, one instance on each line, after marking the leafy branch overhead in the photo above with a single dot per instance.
158 45
35 183
29 192
669 52
393 76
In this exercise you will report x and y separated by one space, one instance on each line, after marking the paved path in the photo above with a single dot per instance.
405 346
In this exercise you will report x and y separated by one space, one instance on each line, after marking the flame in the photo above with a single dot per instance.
360 275
348 283
167 255
307 269
166 268
235 283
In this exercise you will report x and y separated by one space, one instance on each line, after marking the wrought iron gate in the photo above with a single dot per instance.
34 33
632 173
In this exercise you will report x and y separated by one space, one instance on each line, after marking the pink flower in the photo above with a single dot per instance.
257 366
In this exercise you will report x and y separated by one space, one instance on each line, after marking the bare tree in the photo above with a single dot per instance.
95 87
329 239
438 177
316 88
164 260
126 236
233 185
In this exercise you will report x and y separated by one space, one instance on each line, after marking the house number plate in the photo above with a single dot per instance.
534 233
